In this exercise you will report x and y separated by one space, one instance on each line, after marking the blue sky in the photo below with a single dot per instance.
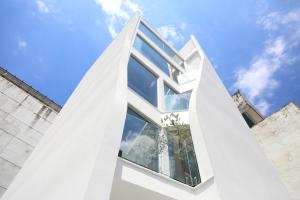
253 45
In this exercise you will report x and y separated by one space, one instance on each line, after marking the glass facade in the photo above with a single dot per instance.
160 44
175 101
182 158
166 150
142 143
151 54
142 81
139 141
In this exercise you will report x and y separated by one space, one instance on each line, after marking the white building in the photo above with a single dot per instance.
109 141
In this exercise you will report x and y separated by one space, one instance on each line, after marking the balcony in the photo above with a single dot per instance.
177 102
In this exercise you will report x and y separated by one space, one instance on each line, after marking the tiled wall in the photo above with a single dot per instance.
23 122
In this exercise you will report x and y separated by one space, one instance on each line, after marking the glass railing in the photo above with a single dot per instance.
177 102
168 151
183 165
161 44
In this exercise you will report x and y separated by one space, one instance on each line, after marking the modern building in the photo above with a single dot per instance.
25 115
148 122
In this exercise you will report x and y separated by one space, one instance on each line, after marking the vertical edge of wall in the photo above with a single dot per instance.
240 168
76 158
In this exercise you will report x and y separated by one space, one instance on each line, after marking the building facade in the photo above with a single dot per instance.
148 122
25 115
279 137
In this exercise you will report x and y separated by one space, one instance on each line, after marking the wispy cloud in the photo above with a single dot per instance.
258 80
118 12
274 20
22 44
171 33
42 7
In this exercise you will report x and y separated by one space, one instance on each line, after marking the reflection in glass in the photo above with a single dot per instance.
160 44
151 54
182 158
142 81
139 141
175 101
154 57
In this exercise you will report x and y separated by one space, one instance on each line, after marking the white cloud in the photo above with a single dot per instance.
171 33
22 44
263 106
258 80
42 7
118 12
258 77
274 20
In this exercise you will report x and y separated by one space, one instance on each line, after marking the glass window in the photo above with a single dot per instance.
168 90
155 58
140 141
151 54
175 101
142 81
182 158
160 43
248 120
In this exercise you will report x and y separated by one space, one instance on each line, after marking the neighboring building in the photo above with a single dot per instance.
119 137
279 137
251 115
25 115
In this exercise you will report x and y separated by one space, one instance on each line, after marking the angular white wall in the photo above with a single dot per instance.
241 170
77 157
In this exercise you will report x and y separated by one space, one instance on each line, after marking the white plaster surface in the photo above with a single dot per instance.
279 137
76 158
240 168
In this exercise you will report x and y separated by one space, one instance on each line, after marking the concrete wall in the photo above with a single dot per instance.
23 122
279 137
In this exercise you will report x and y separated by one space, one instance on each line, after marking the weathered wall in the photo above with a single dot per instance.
23 121
279 137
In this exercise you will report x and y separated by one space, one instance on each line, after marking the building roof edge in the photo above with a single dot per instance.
30 90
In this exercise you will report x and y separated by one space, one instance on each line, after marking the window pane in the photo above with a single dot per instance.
160 43
182 158
139 141
169 90
175 101
151 54
142 81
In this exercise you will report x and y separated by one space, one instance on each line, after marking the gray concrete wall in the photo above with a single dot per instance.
23 122
279 137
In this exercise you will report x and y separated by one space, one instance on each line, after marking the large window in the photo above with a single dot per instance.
160 43
140 141
182 158
142 81
155 58
167 150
